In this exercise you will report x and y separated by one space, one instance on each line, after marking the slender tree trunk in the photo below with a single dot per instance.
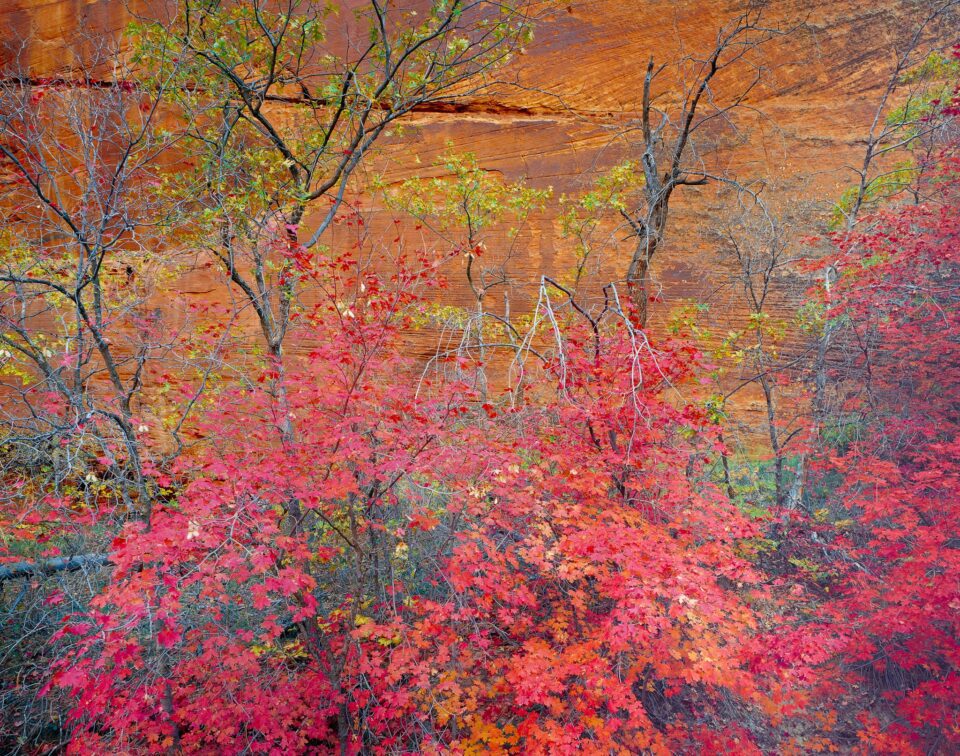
725 460
649 234
774 440
819 399
638 279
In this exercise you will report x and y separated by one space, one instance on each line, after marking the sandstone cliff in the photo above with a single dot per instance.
559 115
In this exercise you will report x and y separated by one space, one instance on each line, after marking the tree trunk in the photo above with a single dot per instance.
649 233
638 275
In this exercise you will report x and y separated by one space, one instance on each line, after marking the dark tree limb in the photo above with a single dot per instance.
17 570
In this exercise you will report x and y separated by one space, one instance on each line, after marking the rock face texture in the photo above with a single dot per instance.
567 103
567 100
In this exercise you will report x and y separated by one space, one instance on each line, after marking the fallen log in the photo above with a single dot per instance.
16 570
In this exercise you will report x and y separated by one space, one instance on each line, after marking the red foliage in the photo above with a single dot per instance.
577 582
361 561
900 465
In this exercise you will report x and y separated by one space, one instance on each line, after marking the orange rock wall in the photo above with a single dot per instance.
567 97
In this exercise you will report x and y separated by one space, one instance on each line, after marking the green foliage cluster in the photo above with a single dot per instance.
468 199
